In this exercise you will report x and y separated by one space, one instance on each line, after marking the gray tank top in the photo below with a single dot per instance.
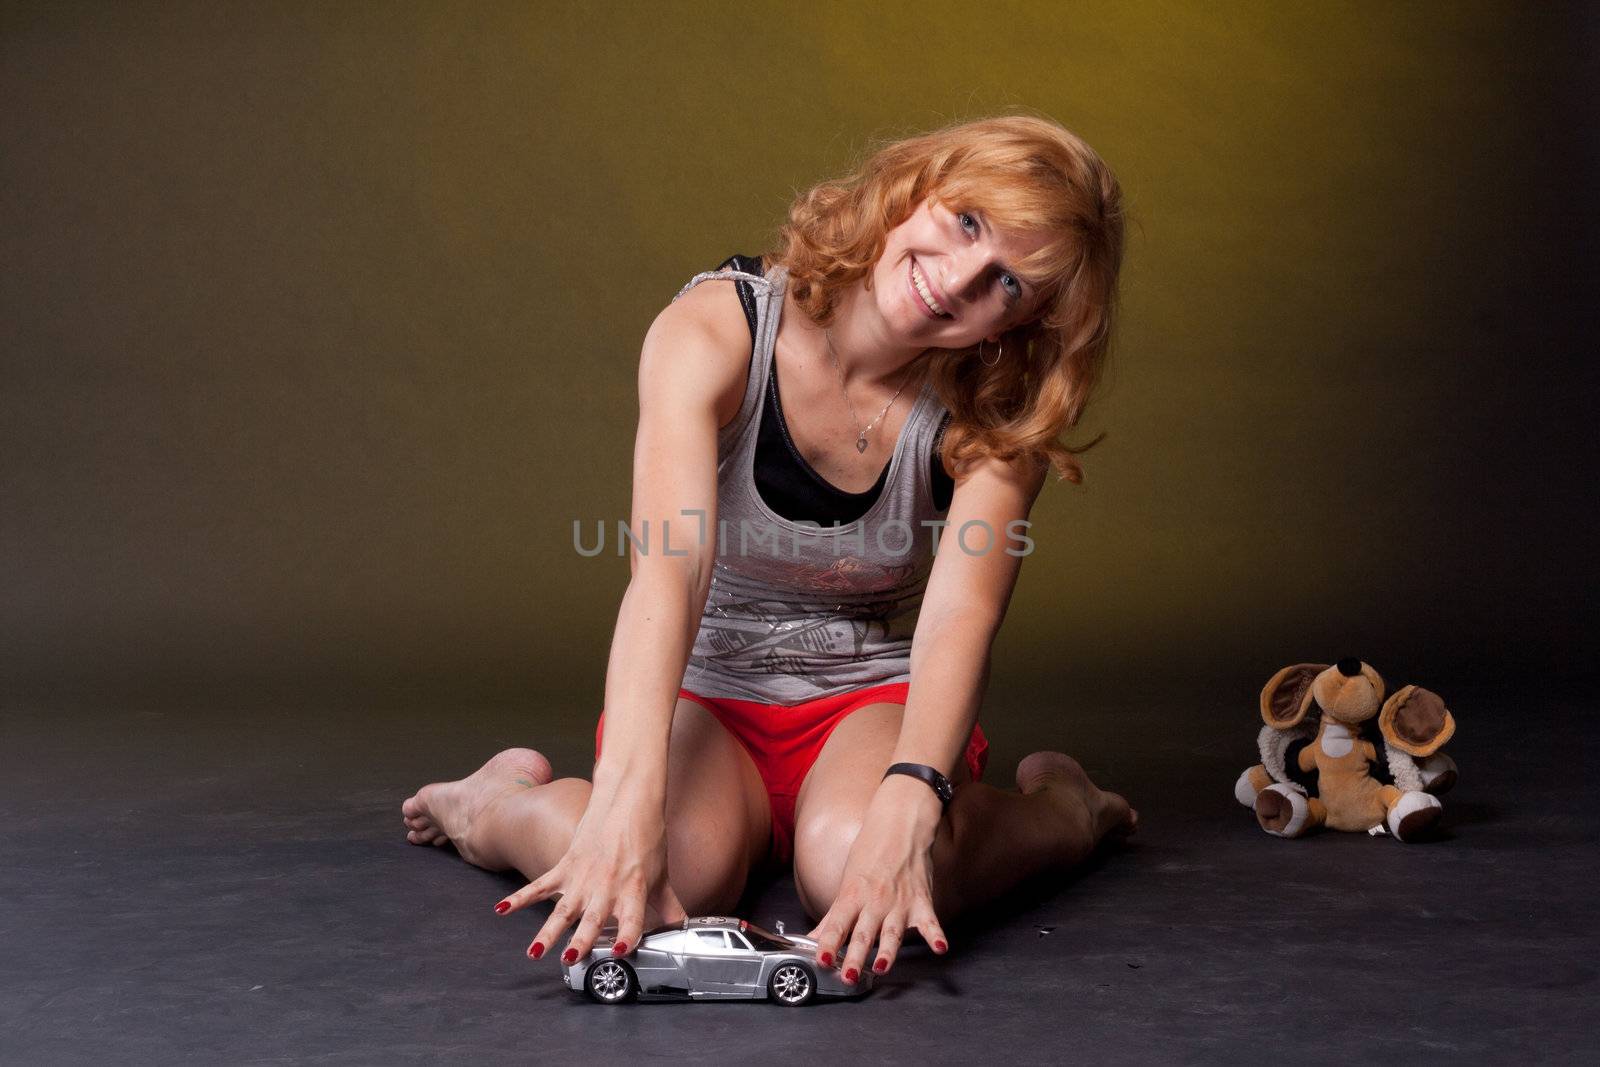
798 611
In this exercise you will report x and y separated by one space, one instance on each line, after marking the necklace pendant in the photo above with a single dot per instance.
861 444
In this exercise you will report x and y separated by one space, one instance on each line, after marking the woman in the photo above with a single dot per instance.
936 321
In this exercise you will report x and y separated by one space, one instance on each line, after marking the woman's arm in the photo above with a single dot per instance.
962 609
887 884
693 363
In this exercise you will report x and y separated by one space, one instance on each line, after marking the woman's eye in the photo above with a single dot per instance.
1012 286
968 223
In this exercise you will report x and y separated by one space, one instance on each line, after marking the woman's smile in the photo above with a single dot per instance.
923 295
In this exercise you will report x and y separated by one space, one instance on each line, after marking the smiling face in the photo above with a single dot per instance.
946 278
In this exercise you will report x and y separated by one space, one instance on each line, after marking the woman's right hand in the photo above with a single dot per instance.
615 867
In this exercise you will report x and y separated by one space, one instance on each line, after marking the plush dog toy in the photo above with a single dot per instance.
1327 707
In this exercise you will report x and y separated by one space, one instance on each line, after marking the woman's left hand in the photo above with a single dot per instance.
887 887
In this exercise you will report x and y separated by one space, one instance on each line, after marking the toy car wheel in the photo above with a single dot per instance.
792 984
611 982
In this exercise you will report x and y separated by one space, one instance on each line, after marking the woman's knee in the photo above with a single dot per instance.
708 862
822 842
718 817
833 800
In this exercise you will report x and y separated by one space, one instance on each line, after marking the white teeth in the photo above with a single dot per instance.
923 291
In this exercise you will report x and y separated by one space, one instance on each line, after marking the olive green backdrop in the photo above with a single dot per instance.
320 326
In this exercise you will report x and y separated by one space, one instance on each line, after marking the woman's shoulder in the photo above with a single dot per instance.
704 335
710 311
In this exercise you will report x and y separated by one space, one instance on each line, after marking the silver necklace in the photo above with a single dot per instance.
861 435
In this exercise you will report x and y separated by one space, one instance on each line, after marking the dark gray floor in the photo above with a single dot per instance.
235 887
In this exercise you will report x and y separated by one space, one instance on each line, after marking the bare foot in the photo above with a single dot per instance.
443 813
1110 816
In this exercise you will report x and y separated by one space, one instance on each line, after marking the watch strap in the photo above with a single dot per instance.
937 782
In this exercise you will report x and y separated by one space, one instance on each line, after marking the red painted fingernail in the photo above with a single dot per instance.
940 946
880 965
619 949
826 959
502 907
570 956
536 950
851 975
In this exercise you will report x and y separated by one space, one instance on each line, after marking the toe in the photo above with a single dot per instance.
1128 826
1118 817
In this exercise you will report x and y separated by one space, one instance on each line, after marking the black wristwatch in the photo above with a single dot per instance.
939 783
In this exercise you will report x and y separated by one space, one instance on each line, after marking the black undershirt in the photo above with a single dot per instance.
787 483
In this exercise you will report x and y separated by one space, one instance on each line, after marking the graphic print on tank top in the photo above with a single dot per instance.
799 610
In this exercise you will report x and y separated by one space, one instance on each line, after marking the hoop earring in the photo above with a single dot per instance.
1000 351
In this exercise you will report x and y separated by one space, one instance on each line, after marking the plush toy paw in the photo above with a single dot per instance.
1438 773
1413 815
1251 783
1282 811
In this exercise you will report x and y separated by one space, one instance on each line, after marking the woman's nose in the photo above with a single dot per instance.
963 269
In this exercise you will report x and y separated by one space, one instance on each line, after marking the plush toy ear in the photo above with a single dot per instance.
1287 698
1416 721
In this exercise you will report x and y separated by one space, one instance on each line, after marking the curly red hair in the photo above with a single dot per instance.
1027 175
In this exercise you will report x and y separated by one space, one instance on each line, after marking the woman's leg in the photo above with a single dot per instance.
990 839
511 814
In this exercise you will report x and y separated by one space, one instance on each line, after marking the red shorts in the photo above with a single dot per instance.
785 740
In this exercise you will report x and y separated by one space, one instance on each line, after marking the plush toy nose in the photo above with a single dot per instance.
1349 666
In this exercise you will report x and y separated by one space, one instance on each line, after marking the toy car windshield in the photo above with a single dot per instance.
766 940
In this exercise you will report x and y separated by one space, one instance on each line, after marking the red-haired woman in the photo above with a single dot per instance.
795 675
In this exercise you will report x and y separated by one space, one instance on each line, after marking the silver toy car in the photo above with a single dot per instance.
709 958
